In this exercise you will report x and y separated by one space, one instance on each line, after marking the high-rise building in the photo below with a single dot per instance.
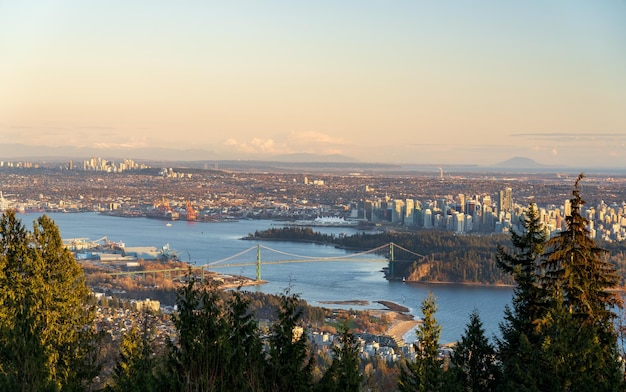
397 211
505 200
428 218
409 212
461 202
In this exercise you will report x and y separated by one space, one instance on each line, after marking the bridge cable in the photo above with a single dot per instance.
408 251
326 258
230 257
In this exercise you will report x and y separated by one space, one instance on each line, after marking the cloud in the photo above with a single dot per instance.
572 136
81 136
314 137
256 146
294 142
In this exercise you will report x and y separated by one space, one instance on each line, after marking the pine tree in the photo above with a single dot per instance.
579 341
425 373
45 317
134 370
195 361
520 329
343 375
219 347
473 359
244 357
523 266
572 357
290 366
577 272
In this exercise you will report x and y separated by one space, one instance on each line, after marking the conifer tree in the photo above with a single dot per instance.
290 367
579 347
523 265
343 375
134 370
520 329
425 373
244 357
45 319
572 357
473 359
219 347
578 272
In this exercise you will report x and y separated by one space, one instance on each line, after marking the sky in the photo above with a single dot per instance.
423 82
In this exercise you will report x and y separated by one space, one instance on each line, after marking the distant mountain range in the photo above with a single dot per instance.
520 163
301 162
23 152
13 151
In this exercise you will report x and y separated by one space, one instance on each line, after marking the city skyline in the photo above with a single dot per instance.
402 82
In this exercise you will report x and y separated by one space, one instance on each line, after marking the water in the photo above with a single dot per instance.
200 243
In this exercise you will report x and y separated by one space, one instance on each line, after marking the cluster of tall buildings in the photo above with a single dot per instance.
103 165
488 214
461 213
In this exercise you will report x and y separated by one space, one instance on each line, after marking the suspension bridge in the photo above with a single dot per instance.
387 253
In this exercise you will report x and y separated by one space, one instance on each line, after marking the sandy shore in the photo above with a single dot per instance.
399 323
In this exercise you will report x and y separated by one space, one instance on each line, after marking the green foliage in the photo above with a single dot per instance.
290 365
560 334
425 373
577 272
520 328
134 371
343 375
219 347
473 360
573 356
45 321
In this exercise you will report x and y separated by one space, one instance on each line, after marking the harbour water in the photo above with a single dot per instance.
316 282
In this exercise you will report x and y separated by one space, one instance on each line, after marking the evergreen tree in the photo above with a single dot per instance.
45 320
219 347
577 272
560 333
572 357
579 340
196 362
474 358
425 373
244 357
134 370
520 342
343 375
523 265
290 366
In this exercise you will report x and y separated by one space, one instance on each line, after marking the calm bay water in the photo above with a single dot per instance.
200 243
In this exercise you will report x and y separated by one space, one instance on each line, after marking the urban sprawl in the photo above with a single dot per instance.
459 202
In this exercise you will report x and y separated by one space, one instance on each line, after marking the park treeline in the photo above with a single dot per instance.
447 256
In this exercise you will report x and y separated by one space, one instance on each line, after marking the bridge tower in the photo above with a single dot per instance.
258 262
391 259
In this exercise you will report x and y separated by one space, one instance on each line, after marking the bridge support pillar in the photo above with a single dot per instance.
258 262
391 260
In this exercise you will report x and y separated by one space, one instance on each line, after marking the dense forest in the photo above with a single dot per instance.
448 257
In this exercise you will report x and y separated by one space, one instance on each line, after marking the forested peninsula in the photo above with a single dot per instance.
448 257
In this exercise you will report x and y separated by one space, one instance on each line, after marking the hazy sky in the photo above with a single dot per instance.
380 81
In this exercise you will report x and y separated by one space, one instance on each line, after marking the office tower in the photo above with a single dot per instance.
461 202
505 200
409 212
397 211
567 208
428 218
